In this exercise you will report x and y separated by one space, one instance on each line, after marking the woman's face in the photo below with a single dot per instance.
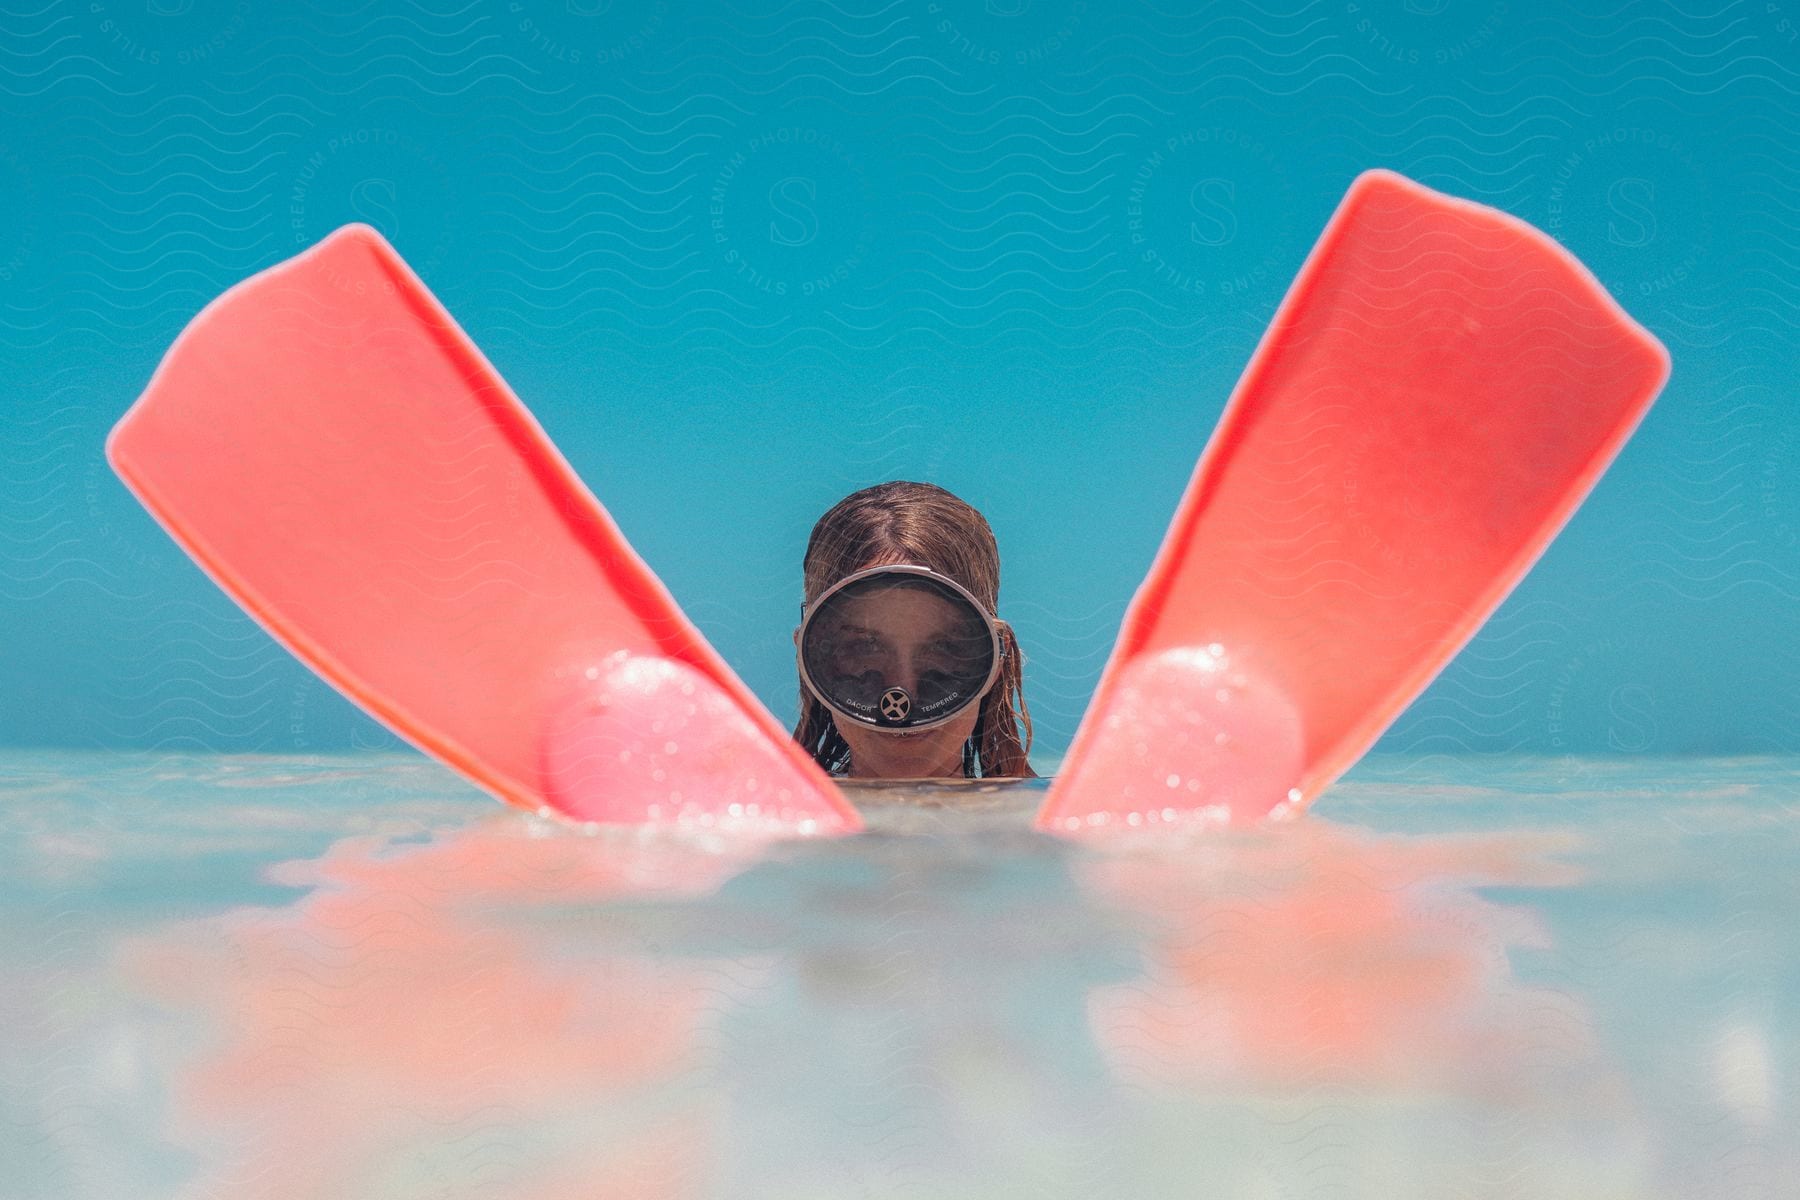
908 638
920 754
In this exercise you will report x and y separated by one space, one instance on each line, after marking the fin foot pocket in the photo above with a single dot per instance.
1184 735
640 738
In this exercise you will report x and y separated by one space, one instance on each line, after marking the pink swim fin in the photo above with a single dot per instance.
1437 393
338 456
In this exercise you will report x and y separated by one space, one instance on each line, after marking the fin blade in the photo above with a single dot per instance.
332 449
1439 390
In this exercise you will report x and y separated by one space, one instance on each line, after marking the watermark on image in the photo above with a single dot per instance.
1205 212
380 177
18 235
1782 25
1635 203
169 33
1467 924
378 737
789 212
1412 33
295 718
593 34
1775 486
1425 515
1600 702
107 504
999 33
302 707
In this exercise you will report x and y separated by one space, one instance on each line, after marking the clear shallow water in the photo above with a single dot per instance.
357 977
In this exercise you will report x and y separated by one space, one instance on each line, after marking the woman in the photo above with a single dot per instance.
905 671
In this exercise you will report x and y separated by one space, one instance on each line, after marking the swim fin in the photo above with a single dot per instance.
1436 394
341 459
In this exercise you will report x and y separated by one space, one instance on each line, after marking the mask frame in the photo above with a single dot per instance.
997 658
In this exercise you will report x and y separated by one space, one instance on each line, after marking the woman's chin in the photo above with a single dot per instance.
902 754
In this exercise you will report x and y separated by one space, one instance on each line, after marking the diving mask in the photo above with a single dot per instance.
898 648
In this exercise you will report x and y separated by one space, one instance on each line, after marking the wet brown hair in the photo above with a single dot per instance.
919 523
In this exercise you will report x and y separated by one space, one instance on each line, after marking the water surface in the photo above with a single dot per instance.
357 976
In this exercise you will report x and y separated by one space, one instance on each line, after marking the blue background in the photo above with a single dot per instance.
742 261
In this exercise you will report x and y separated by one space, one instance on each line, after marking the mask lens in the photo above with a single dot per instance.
897 650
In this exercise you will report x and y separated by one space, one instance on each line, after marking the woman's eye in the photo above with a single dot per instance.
950 656
859 650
